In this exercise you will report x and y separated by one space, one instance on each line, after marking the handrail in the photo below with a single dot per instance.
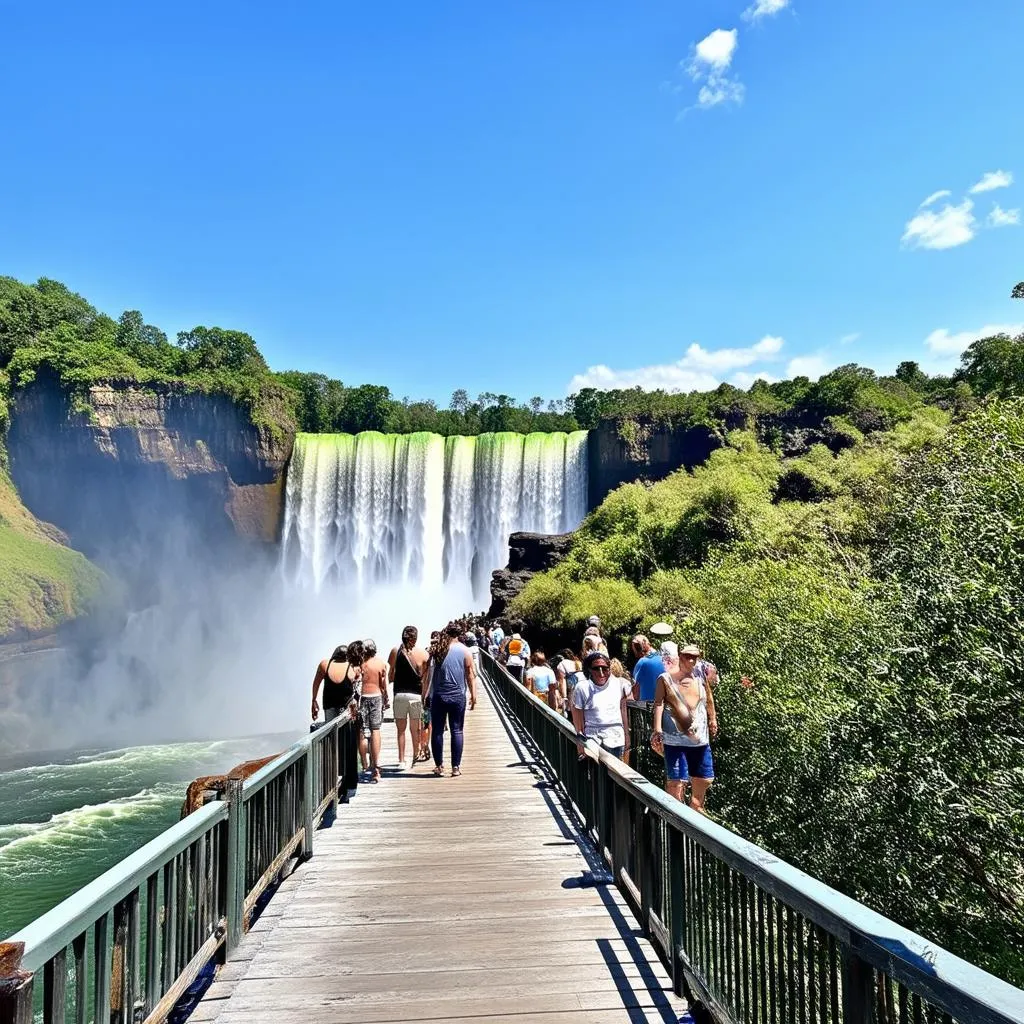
158 917
700 911
55 929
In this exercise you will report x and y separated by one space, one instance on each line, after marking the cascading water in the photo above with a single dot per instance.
420 509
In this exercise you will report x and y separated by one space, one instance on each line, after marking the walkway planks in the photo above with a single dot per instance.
443 900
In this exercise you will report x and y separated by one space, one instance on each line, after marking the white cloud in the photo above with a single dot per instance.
944 229
992 180
943 343
935 197
709 66
1000 218
700 369
849 339
715 51
764 9
812 366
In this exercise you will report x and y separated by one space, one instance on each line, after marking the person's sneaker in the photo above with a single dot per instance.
403 766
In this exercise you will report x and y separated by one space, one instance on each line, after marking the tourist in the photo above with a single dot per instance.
372 705
649 666
453 678
599 706
568 672
406 665
423 754
592 639
515 657
339 683
669 651
690 657
497 638
540 680
683 735
470 641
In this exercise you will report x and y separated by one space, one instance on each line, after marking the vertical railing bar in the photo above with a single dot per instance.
80 951
762 956
152 943
800 970
101 967
55 978
745 908
133 954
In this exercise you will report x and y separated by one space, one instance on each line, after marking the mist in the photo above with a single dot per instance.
209 642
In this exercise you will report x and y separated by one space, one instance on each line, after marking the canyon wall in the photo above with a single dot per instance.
129 462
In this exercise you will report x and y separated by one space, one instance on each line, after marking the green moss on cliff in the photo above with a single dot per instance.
43 583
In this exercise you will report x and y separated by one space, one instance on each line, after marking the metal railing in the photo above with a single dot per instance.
135 939
751 937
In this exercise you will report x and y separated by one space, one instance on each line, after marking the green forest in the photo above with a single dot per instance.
46 327
864 603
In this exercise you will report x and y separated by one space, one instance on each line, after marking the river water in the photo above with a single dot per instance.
66 818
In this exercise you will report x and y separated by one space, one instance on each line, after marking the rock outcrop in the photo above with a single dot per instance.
131 461
642 448
529 553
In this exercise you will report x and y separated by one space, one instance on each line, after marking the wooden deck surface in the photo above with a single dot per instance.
446 900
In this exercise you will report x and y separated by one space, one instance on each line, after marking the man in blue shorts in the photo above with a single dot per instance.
682 734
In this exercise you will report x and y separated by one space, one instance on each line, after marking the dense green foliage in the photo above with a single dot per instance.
865 609
47 326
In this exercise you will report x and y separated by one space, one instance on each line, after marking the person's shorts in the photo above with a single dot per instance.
330 714
408 705
371 712
685 763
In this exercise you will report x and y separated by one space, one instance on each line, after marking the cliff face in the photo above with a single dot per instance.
136 462
642 449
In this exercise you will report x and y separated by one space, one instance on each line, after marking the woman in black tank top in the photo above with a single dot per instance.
339 684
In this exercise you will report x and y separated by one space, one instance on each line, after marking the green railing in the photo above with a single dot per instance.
752 938
134 940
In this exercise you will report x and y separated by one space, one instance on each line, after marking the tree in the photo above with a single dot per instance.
536 404
367 407
214 348
994 365
911 374
459 402
1018 291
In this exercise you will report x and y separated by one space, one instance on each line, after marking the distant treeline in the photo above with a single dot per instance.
47 326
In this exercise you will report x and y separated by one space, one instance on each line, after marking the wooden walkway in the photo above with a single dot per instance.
450 900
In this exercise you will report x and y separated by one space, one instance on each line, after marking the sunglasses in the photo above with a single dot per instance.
603 669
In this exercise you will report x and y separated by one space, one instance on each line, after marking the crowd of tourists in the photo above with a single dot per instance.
593 689
432 687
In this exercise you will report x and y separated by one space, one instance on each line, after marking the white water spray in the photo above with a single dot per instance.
418 509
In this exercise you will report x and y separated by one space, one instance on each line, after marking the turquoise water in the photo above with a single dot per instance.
66 818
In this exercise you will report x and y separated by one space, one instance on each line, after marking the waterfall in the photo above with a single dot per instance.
423 510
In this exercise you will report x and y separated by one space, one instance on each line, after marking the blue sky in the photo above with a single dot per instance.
529 196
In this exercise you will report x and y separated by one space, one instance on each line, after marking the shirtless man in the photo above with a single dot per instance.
406 664
372 705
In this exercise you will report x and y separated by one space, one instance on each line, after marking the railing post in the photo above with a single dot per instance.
677 907
335 770
858 989
15 985
234 884
308 801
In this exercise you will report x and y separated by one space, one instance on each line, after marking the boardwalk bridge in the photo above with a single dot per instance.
535 888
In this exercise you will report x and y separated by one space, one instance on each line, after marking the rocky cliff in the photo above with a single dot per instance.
529 553
129 463
621 451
